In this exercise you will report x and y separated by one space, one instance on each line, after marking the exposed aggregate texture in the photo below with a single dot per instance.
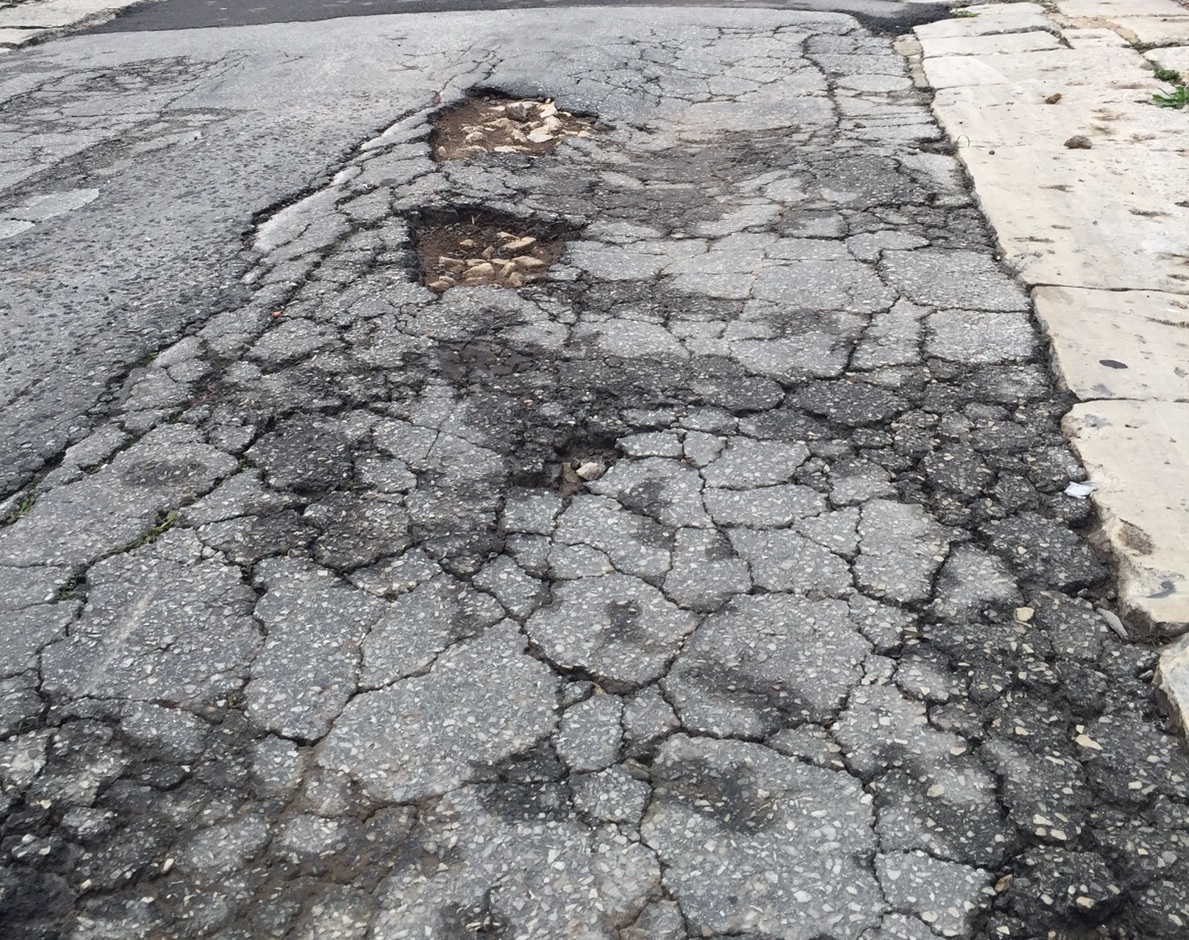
719 584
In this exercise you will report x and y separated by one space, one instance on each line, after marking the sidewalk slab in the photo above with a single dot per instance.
992 19
1093 37
1154 30
996 43
1067 218
1117 344
1114 9
1150 22
56 14
18 37
1014 117
1170 57
1136 453
1029 99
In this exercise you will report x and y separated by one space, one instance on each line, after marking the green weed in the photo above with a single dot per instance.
1177 98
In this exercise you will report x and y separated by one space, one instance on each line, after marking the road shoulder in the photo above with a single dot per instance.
1082 176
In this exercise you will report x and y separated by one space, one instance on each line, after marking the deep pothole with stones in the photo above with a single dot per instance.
492 123
480 248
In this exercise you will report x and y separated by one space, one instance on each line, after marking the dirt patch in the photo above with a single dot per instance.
464 248
490 124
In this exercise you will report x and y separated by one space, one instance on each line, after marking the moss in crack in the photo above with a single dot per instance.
162 525
22 508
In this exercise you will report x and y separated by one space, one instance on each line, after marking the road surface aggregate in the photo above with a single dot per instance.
717 580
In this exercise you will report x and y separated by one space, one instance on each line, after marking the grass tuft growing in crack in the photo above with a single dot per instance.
1178 96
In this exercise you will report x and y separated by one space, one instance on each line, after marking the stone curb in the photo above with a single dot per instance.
1052 112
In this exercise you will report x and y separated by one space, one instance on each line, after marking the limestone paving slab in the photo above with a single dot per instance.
1143 503
1124 240
1032 40
1170 57
1118 344
645 600
55 14
1110 10
1153 22
11 37
994 19
1024 114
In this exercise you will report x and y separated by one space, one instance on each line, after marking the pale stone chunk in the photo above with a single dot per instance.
1172 679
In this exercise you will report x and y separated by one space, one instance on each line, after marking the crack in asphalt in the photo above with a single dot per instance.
353 658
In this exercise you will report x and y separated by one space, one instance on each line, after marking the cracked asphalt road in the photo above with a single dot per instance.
720 583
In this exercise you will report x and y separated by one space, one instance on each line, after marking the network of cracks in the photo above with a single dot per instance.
598 535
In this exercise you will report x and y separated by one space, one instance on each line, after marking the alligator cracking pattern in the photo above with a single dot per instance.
719 584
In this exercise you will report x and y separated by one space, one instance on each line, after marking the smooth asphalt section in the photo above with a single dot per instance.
886 16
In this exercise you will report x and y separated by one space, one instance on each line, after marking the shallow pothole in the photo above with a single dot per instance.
586 466
494 124
577 463
478 248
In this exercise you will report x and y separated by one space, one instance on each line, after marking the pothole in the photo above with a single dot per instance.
581 462
566 467
585 468
478 248
492 124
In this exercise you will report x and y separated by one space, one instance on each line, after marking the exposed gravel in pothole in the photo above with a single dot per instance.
476 248
501 125
721 585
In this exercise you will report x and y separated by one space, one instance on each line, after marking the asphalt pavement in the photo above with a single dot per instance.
539 474
893 16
